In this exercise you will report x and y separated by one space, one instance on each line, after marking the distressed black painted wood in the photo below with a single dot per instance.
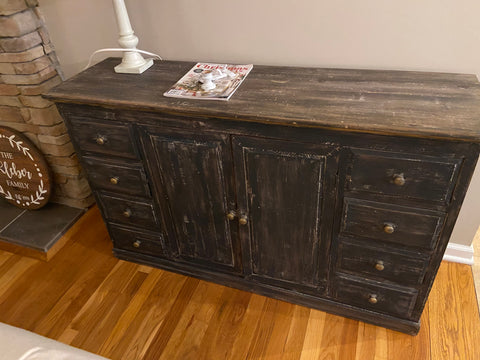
334 189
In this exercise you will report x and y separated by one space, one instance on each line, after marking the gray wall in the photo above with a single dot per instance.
431 35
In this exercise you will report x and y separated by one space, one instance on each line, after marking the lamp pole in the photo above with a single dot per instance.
132 61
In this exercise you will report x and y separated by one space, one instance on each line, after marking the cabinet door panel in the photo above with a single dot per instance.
195 192
282 191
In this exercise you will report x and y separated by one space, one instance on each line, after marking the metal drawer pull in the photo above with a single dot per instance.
380 266
231 215
100 140
127 212
137 244
399 179
114 180
389 228
372 299
243 220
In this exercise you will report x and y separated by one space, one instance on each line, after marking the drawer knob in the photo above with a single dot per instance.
399 179
137 244
114 180
389 228
100 139
380 266
372 299
231 215
243 220
127 213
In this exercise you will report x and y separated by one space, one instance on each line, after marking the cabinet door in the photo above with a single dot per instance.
286 194
195 192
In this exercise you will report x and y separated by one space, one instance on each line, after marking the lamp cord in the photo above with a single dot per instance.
119 50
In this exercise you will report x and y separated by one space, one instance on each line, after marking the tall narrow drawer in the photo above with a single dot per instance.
128 211
396 301
126 178
391 223
137 241
397 266
410 176
103 137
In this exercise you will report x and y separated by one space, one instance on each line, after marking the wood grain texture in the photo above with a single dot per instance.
362 259
445 105
192 170
86 297
107 138
282 189
25 177
128 211
429 178
454 304
128 178
254 206
414 227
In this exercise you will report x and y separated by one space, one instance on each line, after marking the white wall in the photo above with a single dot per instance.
431 35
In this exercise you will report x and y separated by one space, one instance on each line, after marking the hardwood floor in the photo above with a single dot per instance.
476 264
87 298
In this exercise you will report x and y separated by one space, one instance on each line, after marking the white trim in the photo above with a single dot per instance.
459 253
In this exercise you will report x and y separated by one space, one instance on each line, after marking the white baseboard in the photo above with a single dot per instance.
459 253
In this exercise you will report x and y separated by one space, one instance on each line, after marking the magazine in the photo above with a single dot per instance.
210 81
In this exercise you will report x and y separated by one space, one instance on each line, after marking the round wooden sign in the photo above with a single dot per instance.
25 178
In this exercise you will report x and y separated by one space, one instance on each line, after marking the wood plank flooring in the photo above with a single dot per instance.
476 264
87 298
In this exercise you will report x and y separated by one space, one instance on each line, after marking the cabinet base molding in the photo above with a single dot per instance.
462 254
330 306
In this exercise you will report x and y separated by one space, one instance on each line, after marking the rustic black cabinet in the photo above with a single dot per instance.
193 183
284 193
335 189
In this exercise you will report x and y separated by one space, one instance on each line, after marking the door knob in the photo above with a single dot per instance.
379 265
399 180
389 228
243 220
231 215
372 299
101 140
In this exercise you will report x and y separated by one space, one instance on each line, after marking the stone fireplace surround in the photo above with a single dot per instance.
29 68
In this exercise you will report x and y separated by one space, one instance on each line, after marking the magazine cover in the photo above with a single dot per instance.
210 81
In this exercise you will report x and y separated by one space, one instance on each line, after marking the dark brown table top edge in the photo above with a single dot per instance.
63 94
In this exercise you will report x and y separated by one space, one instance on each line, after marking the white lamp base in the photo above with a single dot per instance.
126 68
132 62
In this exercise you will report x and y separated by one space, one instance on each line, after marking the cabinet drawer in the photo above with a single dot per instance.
104 138
410 176
397 301
391 223
127 211
127 178
137 241
401 267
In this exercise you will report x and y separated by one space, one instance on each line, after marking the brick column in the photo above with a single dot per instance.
28 68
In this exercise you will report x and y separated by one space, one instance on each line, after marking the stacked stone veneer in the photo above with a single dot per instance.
29 68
